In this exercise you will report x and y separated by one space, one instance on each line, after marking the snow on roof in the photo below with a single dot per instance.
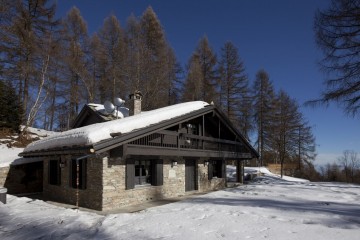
94 133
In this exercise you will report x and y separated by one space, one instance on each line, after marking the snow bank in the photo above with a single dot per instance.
8 155
263 174
321 211
91 134
39 132
266 175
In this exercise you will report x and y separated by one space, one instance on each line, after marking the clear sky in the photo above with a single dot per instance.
273 35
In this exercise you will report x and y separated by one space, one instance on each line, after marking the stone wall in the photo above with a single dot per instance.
203 178
91 197
174 178
115 195
22 178
113 183
106 183
3 175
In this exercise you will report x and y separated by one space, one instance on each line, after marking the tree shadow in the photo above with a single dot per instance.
27 226
349 213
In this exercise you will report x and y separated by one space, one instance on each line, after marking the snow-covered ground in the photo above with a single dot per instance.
8 155
267 208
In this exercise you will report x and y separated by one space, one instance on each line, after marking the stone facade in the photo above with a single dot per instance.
203 180
115 195
3 175
91 197
22 178
106 183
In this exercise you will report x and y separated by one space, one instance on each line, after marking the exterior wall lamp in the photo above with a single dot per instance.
62 163
173 163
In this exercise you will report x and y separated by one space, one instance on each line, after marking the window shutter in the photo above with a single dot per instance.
130 174
83 173
72 173
223 169
158 176
54 172
196 175
210 170
58 172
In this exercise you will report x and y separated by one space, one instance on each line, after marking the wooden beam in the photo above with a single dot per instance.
210 139
183 152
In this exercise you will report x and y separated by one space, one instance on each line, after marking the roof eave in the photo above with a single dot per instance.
58 151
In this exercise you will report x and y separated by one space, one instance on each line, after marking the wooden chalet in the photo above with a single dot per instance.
168 152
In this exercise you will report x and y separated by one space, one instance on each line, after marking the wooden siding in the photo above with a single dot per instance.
171 143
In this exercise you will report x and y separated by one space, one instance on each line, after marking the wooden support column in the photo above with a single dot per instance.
203 132
240 171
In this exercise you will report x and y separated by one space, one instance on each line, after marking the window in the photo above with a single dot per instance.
216 169
142 172
54 172
192 129
74 177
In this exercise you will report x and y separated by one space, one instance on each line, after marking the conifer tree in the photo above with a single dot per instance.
75 41
97 69
154 49
173 70
10 111
193 86
306 145
287 120
234 91
134 64
113 78
337 31
24 27
208 67
263 100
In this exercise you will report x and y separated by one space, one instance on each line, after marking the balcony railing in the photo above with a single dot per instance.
170 139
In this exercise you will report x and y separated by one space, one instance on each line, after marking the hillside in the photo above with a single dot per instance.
13 144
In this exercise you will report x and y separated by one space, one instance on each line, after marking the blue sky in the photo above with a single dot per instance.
273 35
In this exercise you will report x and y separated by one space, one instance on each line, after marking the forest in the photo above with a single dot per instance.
50 68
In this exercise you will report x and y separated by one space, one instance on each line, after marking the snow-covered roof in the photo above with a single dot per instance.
88 135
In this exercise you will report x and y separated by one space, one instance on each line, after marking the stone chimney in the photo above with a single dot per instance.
135 103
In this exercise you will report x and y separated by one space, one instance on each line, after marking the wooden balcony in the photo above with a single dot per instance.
182 144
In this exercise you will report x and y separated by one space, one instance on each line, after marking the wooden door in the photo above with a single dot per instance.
190 175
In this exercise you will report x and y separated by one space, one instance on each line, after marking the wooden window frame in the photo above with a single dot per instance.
156 177
216 169
143 172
